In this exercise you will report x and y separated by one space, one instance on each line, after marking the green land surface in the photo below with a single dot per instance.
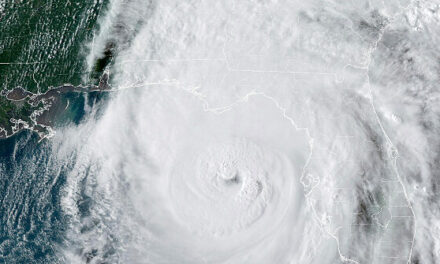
42 45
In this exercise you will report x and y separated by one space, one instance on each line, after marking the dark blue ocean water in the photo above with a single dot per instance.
32 224
31 220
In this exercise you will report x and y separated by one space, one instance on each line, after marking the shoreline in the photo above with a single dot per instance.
43 106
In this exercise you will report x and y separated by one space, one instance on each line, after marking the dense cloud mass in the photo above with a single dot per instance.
259 132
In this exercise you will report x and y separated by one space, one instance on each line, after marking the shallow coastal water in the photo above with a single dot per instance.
239 132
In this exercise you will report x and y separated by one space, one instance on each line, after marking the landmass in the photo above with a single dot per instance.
42 47
21 109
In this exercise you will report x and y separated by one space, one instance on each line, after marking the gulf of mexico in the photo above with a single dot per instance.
33 224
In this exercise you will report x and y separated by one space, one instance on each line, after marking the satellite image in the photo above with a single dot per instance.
220 131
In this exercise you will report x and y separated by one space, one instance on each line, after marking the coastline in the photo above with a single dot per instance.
36 111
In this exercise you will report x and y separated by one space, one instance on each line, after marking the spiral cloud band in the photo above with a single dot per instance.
259 132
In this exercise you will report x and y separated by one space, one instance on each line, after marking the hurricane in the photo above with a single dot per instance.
246 132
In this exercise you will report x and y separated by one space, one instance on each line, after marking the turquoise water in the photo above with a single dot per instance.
42 45
32 223
233 132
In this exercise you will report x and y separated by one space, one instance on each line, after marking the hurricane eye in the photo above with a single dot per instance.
230 178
